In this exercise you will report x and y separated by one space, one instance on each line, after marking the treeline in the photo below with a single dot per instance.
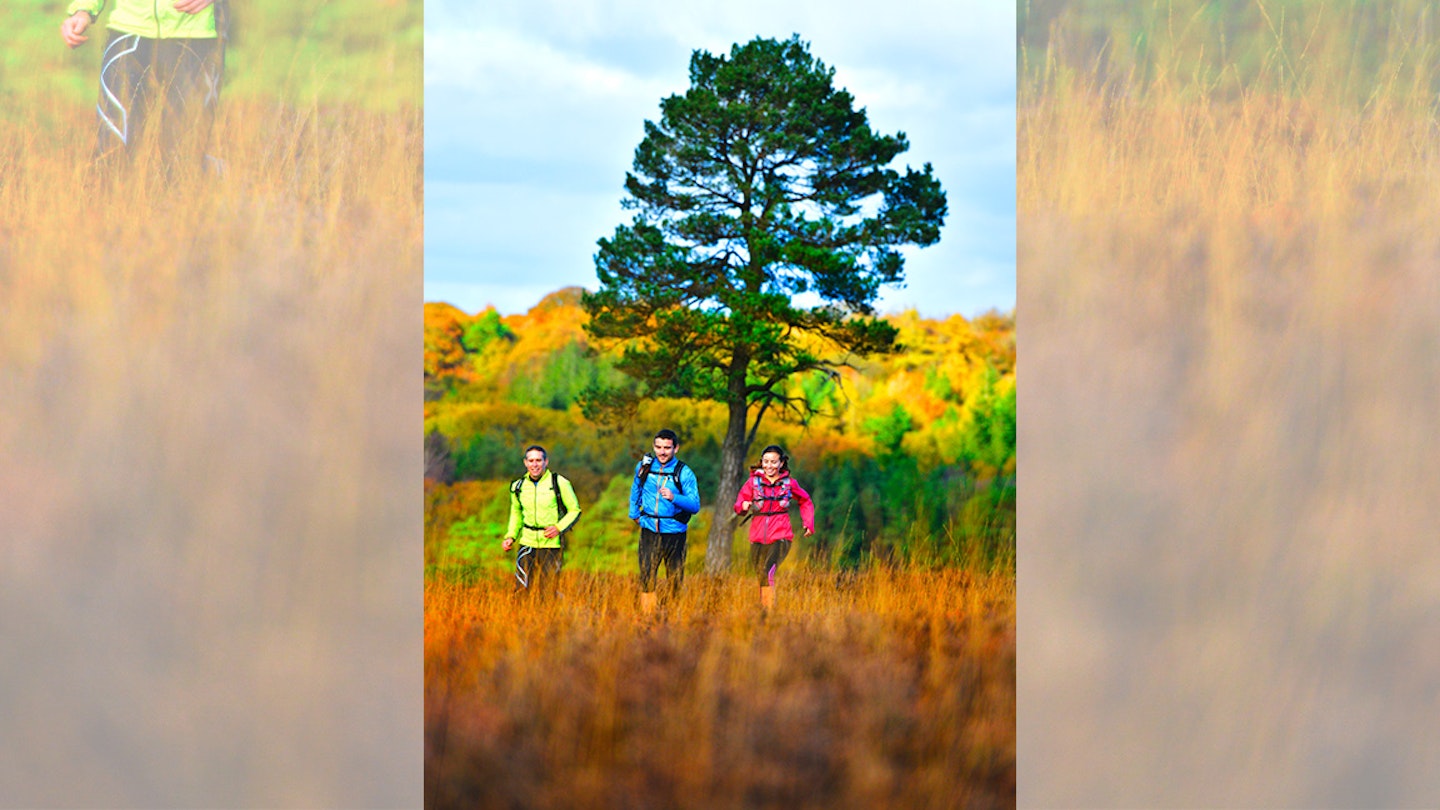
911 458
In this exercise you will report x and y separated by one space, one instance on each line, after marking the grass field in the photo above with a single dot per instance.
885 689
211 526
1227 274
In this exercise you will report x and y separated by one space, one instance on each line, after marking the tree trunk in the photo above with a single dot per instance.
732 475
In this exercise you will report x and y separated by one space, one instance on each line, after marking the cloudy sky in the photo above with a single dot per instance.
533 109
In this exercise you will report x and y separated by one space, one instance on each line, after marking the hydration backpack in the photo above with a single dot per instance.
680 514
760 486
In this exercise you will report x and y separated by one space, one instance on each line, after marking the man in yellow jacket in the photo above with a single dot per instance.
542 508
163 60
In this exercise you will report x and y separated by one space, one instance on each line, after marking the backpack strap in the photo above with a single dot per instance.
679 487
644 474
762 489
515 491
679 468
555 490
560 510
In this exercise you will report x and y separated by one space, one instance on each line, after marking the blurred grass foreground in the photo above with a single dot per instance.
211 535
888 688
1227 261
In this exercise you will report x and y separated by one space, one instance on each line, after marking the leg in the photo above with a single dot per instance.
124 71
551 560
760 564
649 563
539 573
774 555
758 553
189 73
524 567
779 550
673 554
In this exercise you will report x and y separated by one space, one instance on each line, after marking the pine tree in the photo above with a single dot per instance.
761 183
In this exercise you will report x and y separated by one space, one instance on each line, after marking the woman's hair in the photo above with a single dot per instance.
778 450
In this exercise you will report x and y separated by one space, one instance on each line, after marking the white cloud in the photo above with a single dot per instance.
539 105
499 63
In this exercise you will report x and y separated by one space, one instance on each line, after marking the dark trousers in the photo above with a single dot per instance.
657 549
157 91
538 569
765 558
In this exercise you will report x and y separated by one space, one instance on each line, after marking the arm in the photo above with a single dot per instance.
689 500
572 505
635 494
807 507
82 13
94 7
744 496
514 528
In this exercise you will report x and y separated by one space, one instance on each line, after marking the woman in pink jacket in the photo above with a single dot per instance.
766 495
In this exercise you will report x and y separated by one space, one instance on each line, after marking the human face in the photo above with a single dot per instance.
770 464
664 451
535 462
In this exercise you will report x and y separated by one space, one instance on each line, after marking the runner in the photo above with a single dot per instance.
663 497
542 508
163 60
766 496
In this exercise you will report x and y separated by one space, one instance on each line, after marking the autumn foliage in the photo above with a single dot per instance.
911 456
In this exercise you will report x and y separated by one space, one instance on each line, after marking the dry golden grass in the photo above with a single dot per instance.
207 465
1229 298
887 689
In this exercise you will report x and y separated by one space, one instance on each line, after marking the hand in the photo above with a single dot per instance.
550 532
192 6
73 29
666 493
507 543
809 532
745 506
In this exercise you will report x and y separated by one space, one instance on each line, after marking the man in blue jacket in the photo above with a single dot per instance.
663 497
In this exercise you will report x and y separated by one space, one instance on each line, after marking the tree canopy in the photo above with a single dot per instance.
767 218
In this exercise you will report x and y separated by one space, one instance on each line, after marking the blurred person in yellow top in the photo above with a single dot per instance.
542 508
162 65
